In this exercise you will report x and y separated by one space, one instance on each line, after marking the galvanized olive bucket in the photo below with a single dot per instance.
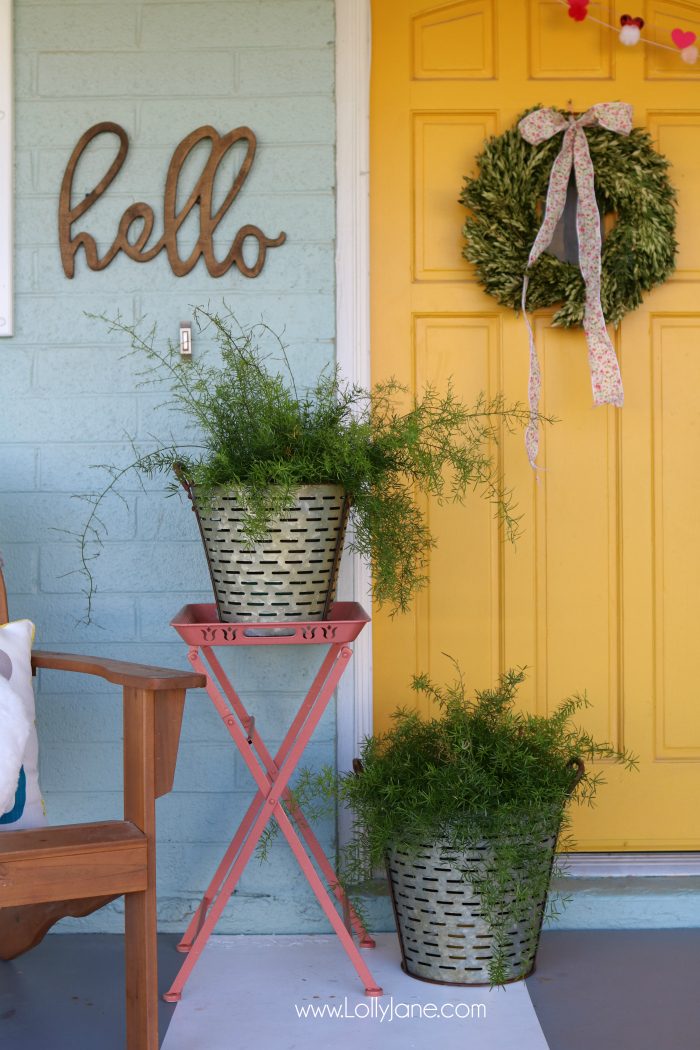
291 574
443 935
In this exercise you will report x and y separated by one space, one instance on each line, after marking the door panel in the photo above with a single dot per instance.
602 592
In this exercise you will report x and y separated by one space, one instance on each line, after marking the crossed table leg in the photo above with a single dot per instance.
272 778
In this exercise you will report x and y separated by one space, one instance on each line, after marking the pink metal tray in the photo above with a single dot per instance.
198 625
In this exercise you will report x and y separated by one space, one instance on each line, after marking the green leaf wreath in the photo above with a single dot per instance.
505 202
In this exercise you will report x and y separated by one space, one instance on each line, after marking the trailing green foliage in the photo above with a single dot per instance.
478 770
505 203
256 434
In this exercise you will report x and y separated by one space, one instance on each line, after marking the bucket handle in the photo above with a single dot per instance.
576 765
179 472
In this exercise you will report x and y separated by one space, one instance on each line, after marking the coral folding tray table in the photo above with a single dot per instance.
200 628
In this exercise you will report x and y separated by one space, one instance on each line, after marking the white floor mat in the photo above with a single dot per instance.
298 993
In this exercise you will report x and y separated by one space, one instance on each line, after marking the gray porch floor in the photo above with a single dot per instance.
604 989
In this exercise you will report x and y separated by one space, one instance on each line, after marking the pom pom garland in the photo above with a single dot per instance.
630 31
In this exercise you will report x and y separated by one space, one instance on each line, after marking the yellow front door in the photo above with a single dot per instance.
602 592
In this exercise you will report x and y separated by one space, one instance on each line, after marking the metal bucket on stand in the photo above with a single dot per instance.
291 574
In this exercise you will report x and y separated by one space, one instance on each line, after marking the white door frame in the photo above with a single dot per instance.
6 167
352 78
352 69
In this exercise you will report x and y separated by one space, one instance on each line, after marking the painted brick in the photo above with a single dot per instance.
267 877
303 217
296 72
77 467
17 373
38 516
296 266
21 567
270 669
124 567
64 320
70 718
66 418
105 75
73 401
103 29
25 272
274 120
123 274
276 168
300 264
24 71
273 711
318 754
308 359
25 181
159 421
101 371
299 316
59 618
37 219
96 160
72 767
201 722
19 472
188 27
198 818
244 914
165 517
262 879
300 168
155 611
205 767
78 807
61 122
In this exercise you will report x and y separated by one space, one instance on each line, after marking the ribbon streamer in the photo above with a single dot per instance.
536 128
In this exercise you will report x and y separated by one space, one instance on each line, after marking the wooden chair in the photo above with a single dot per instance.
74 869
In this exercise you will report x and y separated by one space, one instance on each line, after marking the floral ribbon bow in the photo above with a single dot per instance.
535 128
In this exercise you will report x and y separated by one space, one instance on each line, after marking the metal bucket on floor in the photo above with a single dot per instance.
443 934
292 573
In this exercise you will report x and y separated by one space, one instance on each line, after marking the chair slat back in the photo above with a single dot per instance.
4 615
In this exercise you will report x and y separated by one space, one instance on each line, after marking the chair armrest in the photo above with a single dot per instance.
135 676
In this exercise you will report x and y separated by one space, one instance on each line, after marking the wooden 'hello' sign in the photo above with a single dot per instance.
173 219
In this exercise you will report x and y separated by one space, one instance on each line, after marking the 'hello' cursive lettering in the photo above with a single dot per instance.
141 213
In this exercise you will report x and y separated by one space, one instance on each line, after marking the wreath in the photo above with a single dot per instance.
505 202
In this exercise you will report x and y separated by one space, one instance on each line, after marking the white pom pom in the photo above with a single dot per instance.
629 35
690 55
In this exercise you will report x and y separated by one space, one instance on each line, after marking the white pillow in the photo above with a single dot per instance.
27 809
14 734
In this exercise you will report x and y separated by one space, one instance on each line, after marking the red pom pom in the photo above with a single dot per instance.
578 9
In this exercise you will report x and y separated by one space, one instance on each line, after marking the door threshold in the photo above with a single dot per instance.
592 865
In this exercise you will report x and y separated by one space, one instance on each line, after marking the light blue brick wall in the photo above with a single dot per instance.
69 401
